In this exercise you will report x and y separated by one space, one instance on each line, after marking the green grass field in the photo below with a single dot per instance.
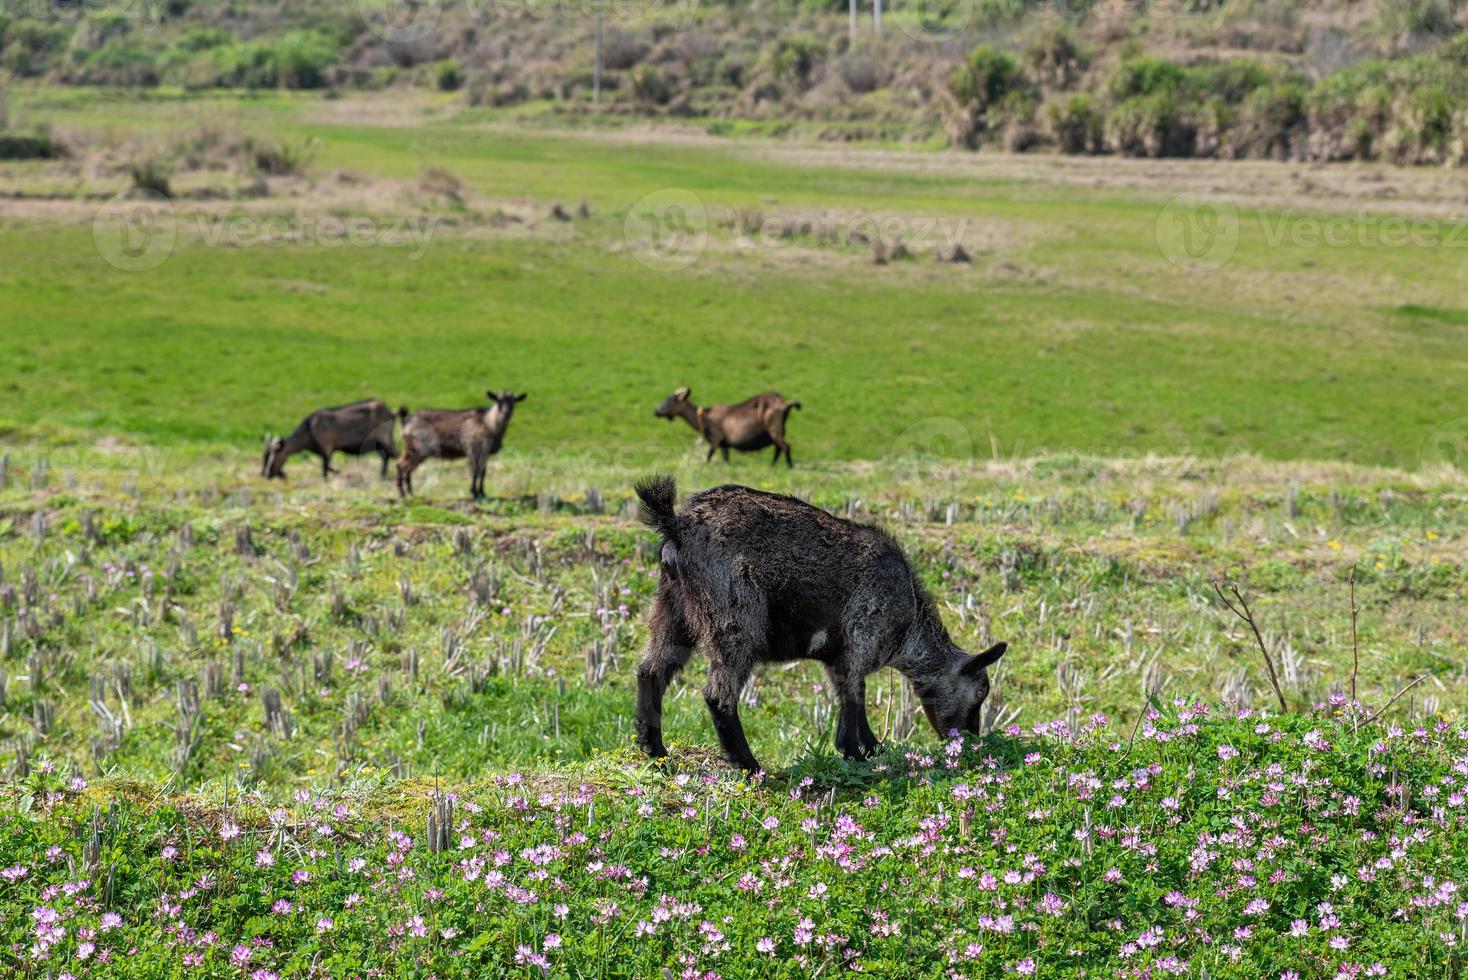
309 729
1072 331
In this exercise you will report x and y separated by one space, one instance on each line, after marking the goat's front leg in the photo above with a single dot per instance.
406 465
854 736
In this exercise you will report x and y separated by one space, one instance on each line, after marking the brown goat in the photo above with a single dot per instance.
356 429
474 434
754 577
748 427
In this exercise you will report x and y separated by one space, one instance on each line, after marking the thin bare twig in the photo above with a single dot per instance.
1141 715
1355 649
1395 698
1243 611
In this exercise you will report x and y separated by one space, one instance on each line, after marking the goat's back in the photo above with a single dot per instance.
794 552
452 432
346 426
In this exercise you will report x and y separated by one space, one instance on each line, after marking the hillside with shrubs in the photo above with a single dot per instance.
1298 79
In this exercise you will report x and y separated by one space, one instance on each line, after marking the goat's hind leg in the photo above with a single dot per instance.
669 646
731 660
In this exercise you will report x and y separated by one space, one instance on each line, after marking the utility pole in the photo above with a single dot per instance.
596 72
877 16
851 11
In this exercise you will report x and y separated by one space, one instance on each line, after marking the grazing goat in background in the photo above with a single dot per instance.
754 577
474 434
749 426
357 429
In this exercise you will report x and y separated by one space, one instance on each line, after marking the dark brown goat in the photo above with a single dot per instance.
474 434
753 576
749 426
357 429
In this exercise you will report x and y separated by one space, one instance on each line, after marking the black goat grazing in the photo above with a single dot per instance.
753 576
356 429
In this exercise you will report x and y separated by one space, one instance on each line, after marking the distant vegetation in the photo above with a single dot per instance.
1320 80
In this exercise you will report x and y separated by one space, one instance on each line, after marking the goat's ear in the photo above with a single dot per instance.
984 660
521 397
682 392
493 395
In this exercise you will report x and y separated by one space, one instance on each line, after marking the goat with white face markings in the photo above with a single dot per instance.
752 576
474 434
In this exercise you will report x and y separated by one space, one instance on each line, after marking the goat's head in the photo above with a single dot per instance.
272 464
673 404
505 401
953 700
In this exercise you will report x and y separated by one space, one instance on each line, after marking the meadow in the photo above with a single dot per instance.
304 728
1072 329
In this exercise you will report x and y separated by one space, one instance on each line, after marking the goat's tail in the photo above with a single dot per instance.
794 405
658 495
403 412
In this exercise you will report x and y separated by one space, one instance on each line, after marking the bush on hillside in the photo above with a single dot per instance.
988 80
1155 125
1271 122
151 174
1076 124
28 47
794 59
1056 59
447 77
1141 76
650 85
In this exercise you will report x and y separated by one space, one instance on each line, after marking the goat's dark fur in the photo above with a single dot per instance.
356 429
752 577
474 434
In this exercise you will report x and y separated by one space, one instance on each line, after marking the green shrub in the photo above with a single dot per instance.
1076 123
1270 122
248 65
1404 110
987 83
151 174
279 159
1232 80
650 86
447 77
1056 58
1151 126
985 77
39 146
302 58
123 61
31 47
1145 76
793 59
